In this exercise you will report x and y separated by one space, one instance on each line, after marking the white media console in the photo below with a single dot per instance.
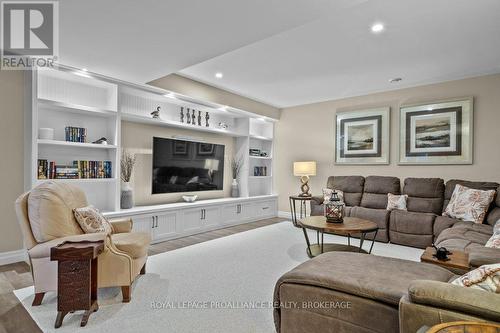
66 96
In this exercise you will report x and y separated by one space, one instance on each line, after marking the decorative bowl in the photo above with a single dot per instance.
190 198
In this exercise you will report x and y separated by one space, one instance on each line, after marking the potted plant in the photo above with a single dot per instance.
127 166
236 165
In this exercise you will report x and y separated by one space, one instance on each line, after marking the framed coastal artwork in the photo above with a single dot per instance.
362 137
437 133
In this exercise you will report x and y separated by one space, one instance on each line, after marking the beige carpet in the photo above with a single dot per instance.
224 285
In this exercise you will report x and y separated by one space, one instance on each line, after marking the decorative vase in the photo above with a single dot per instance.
127 196
235 189
334 209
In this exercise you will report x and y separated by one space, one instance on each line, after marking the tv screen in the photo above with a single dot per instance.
187 166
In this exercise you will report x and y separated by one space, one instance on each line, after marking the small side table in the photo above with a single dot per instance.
303 208
76 278
458 260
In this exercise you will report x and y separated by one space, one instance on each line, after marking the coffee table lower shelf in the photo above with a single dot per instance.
315 249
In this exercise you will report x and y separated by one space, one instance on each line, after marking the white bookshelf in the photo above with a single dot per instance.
72 97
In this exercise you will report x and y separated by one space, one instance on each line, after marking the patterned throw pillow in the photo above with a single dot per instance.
469 204
395 201
486 277
494 241
91 220
328 192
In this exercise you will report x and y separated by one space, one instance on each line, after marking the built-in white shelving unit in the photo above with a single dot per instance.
68 96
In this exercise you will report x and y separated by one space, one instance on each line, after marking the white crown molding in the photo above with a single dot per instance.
10 257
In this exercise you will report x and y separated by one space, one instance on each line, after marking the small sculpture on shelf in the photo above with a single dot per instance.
156 114
188 116
193 115
101 141
199 118
182 114
207 117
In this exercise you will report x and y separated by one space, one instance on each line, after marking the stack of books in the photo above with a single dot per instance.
75 134
77 170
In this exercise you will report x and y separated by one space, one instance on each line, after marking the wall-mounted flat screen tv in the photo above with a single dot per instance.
187 166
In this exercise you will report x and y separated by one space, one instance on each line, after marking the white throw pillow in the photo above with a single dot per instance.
91 220
395 201
469 204
328 192
486 277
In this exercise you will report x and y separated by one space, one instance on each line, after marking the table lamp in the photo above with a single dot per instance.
304 170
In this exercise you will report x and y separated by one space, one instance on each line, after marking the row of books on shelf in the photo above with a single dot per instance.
75 134
77 170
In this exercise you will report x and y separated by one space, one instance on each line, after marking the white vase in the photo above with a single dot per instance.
127 196
235 189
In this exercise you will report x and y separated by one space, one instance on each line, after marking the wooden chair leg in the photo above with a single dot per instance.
126 294
143 269
38 299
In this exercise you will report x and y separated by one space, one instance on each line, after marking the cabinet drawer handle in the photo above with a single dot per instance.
153 225
265 207
156 225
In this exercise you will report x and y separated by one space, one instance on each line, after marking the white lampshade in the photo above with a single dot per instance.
304 168
212 164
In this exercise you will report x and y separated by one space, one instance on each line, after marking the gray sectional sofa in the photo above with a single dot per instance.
383 294
423 223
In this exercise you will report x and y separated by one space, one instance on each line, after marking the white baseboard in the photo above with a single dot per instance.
285 215
10 257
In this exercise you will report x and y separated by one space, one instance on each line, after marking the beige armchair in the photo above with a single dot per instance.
45 215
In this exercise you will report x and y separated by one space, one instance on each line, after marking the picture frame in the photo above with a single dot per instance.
362 136
205 149
437 132
180 148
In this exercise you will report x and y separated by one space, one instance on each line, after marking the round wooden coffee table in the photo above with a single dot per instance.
464 327
350 226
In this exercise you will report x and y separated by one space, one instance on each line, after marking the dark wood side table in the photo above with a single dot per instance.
76 278
464 327
458 260
303 208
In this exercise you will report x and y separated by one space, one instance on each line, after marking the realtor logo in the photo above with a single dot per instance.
29 34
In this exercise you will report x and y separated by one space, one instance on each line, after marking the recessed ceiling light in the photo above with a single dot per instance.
84 69
219 75
377 27
170 95
395 80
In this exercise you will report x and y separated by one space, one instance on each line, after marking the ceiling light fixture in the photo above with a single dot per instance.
170 95
84 69
377 28
395 80
219 75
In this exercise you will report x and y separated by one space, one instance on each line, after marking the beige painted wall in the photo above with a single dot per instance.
310 130
138 138
11 150
188 87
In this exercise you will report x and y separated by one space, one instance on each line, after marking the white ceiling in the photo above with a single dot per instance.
337 56
284 52
142 40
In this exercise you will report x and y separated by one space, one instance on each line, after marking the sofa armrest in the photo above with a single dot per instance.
452 297
317 200
479 256
42 250
121 225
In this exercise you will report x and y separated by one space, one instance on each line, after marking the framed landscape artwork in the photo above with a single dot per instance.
362 137
438 133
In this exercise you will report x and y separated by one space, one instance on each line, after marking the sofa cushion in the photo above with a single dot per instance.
471 226
450 187
425 195
50 210
442 223
379 216
376 189
493 215
412 223
352 186
363 275
469 204
135 244
462 239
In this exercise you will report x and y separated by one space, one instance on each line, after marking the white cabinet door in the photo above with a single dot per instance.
211 217
192 220
264 209
230 214
142 223
165 226
247 210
